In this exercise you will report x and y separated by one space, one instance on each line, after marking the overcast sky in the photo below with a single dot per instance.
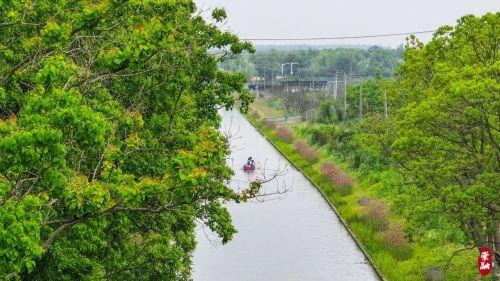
333 18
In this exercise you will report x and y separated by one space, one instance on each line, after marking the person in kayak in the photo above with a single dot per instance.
250 162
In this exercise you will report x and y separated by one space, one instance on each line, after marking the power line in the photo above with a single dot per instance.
339 37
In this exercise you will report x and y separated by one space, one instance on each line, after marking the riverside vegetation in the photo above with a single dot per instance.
420 186
109 149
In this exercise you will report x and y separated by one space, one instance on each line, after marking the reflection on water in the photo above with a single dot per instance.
295 236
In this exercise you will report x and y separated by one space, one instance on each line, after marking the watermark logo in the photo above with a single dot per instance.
484 261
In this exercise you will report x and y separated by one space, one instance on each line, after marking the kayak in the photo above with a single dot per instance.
248 168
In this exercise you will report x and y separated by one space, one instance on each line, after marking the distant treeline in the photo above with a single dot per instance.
317 62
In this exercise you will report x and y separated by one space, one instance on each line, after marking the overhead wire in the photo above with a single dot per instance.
338 37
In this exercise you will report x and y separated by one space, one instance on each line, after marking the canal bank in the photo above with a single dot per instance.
253 122
294 237
366 206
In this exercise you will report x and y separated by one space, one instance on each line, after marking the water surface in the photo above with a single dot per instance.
295 236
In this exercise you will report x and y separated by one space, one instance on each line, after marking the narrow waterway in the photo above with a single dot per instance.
295 236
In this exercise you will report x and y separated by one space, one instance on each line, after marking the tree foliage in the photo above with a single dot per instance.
108 142
435 157
318 63
448 132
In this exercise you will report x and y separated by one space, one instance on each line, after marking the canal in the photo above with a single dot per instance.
294 236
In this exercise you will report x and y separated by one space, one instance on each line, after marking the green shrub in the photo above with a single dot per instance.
319 136
326 114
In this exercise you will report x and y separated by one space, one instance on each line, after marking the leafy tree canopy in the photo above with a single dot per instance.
108 144
447 132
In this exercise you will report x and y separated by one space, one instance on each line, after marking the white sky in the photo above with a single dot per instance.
333 18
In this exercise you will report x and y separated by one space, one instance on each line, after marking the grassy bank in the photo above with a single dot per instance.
357 197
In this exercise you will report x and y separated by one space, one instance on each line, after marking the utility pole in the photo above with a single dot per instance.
291 71
344 116
282 65
291 67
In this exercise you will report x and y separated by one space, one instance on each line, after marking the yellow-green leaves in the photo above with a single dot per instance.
57 71
91 14
107 117
55 35
113 57
447 142
133 141
84 197
20 234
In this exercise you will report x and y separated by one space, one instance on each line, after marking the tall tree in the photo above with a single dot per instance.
108 142
448 138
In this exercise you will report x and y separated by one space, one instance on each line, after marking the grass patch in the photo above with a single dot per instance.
265 111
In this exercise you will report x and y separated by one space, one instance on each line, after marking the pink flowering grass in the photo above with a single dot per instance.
307 152
341 182
284 134
376 215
